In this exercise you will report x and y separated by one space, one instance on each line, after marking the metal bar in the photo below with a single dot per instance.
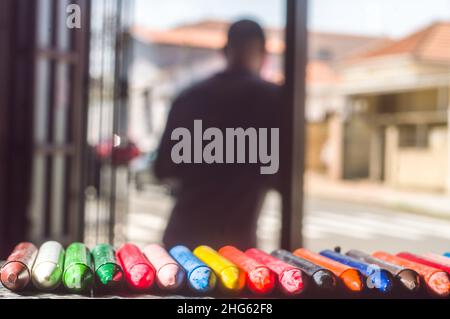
293 124
53 91
117 105
17 18
80 102
54 54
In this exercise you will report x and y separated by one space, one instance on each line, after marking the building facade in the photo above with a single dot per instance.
395 121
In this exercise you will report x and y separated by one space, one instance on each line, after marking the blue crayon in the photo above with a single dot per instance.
447 255
377 278
200 277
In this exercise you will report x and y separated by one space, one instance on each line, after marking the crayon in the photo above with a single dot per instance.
377 278
447 255
169 274
15 274
323 279
438 258
78 276
260 279
48 267
200 277
139 272
350 277
408 278
290 278
232 279
108 272
436 281
424 261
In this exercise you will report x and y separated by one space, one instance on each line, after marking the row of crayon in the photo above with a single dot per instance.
79 270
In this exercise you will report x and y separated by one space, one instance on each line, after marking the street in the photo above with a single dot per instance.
327 223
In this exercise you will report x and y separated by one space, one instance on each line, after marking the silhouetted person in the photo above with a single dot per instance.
219 204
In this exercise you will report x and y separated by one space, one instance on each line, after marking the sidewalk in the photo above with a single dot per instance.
434 204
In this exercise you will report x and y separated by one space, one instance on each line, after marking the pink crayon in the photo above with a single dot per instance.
438 259
169 274
290 278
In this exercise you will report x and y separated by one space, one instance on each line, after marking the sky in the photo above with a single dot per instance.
394 18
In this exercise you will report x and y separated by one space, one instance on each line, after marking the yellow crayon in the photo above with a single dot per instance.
231 278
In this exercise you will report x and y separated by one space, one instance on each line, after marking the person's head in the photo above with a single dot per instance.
246 46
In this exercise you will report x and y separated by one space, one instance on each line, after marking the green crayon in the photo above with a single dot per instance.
78 276
107 270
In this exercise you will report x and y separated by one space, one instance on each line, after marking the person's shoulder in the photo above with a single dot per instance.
267 84
267 89
259 83
196 89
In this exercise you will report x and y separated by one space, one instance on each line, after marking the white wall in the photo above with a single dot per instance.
418 168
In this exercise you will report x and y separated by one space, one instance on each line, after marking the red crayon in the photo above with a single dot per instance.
260 279
16 272
424 261
139 273
290 278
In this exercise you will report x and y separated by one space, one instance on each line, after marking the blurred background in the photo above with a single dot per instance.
82 112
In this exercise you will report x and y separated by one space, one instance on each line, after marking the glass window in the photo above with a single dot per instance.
45 25
42 101
62 103
64 34
377 148
177 44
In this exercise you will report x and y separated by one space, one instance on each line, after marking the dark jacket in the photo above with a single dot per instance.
218 204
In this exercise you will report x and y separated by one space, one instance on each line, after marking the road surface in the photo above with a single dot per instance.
327 223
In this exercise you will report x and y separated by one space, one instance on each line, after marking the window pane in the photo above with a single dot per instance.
44 28
38 197
378 165
62 111
58 192
42 101
63 42
177 44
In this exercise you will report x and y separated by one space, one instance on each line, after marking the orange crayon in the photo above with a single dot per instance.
436 280
350 277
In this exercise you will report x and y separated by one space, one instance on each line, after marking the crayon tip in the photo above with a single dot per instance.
380 280
261 280
47 276
292 282
14 276
12 279
141 276
170 277
410 280
232 279
324 280
439 284
78 278
202 280
352 280
109 274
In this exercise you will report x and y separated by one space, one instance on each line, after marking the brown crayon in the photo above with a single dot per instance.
16 272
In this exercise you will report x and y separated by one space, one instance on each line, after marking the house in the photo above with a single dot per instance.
394 125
